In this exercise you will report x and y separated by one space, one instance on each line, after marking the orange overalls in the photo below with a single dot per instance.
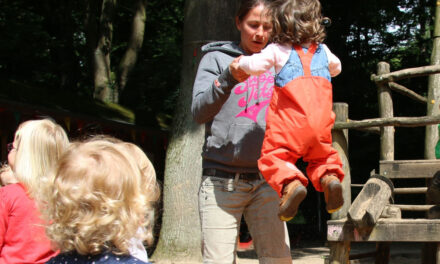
298 124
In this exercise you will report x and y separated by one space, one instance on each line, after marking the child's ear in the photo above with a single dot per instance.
237 23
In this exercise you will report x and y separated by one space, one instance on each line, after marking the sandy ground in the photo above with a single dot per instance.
318 253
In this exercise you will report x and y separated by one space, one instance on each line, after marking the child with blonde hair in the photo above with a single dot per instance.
97 204
37 146
149 184
300 117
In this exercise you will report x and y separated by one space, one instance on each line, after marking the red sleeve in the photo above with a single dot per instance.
3 217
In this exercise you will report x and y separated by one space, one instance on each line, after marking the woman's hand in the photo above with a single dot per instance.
7 176
236 71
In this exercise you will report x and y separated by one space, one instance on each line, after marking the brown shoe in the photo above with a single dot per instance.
293 194
332 192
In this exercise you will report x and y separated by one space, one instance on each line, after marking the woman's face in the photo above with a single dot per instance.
11 155
255 29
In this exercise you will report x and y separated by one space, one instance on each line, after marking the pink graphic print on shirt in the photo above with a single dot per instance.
254 99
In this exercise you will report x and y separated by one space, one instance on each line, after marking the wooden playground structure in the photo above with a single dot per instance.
376 215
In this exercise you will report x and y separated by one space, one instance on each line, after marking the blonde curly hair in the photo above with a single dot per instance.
97 203
297 21
149 183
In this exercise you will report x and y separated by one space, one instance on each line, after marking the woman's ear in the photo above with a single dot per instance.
237 23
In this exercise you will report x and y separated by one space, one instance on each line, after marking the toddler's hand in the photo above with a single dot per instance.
236 71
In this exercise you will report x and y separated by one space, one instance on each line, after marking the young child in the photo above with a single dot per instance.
97 204
132 151
37 146
300 117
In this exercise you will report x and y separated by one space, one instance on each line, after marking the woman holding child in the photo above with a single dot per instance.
232 105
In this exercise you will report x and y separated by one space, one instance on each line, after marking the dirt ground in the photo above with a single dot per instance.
318 253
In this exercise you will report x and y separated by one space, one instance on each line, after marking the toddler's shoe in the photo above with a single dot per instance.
332 192
293 194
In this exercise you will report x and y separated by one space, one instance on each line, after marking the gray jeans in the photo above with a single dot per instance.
222 202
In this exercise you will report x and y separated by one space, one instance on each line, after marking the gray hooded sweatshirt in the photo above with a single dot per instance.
233 113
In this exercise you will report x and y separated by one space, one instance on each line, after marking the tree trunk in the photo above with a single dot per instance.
431 135
134 44
180 240
104 86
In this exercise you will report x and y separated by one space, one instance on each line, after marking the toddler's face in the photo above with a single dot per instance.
255 30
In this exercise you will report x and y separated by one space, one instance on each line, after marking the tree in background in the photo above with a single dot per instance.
67 53
205 21
362 34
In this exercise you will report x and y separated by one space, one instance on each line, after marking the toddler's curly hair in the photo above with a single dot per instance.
297 21
98 200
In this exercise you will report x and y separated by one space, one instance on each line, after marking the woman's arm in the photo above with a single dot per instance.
3 219
212 88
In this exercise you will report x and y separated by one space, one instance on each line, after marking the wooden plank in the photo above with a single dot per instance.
395 169
414 207
413 190
404 230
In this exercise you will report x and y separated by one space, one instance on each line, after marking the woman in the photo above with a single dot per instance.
36 148
232 106
99 199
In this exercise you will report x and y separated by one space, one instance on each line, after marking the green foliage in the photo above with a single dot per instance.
362 34
154 83
44 47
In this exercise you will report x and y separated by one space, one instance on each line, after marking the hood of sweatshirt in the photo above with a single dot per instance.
229 47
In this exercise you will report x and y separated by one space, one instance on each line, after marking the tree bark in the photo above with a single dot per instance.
431 135
104 87
180 236
134 45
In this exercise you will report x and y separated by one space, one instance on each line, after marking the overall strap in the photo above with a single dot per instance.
306 58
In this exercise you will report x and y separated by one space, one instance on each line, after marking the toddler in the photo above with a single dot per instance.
300 117
97 204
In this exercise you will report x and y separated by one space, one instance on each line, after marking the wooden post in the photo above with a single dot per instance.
385 111
382 253
339 252
340 143
431 134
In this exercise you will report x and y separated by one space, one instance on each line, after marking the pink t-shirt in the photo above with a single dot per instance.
276 55
22 234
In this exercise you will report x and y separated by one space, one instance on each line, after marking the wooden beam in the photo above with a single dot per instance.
407 92
406 73
413 190
402 230
409 168
389 121
414 207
